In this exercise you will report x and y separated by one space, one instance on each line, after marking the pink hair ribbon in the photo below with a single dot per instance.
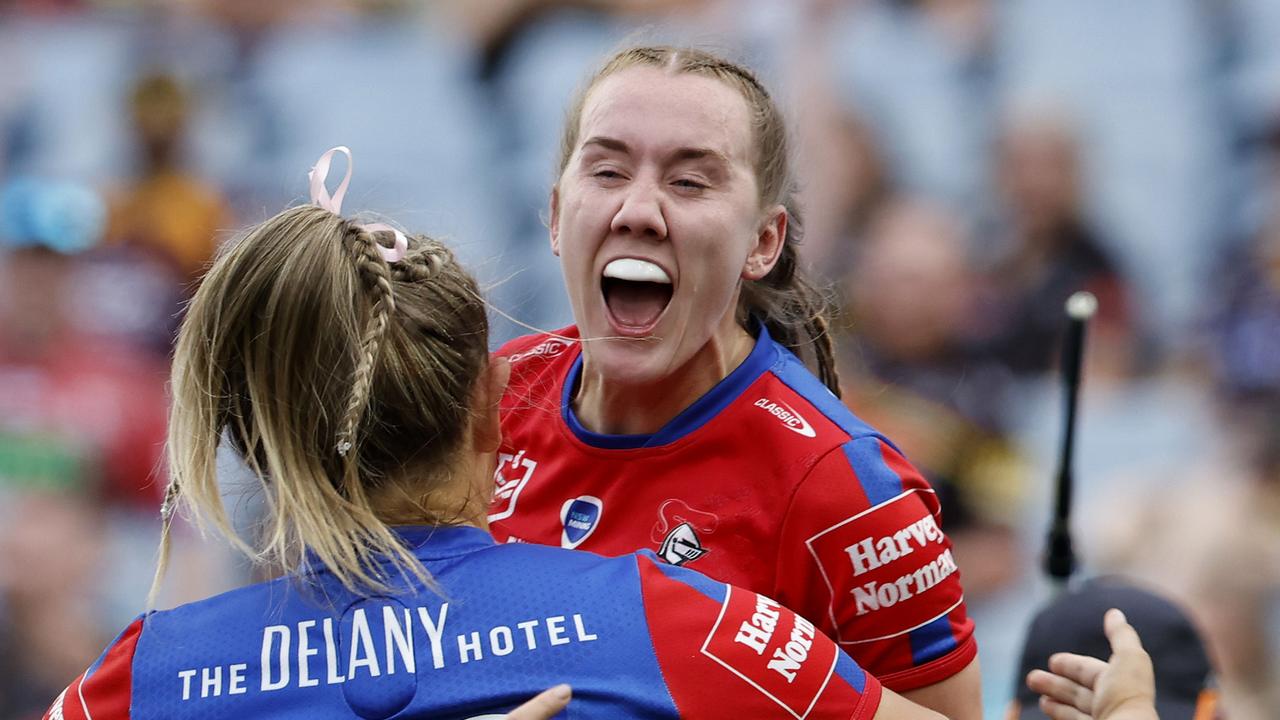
333 203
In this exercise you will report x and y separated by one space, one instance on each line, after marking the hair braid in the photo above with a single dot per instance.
375 273
824 351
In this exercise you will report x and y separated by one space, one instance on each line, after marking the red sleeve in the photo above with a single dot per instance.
862 552
729 652
105 690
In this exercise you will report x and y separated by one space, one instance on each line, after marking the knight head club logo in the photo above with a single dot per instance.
580 516
681 545
680 525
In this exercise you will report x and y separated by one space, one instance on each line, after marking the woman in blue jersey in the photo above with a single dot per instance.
677 415
347 364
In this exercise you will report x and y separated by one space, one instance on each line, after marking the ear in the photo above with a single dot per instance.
769 241
554 225
486 428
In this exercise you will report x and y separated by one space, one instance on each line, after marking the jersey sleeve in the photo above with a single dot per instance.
728 652
105 690
863 553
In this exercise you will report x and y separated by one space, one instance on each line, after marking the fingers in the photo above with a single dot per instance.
544 705
1081 669
1060 711
1061 690
1120 632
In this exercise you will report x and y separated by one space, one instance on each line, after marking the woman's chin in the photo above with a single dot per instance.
628 361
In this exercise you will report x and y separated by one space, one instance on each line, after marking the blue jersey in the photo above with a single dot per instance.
634 636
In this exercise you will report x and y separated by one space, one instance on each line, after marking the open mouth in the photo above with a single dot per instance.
636 292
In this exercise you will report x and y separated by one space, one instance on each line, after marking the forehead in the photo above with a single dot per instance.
652 108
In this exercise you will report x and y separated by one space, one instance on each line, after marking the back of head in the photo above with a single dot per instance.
342 379
1073 623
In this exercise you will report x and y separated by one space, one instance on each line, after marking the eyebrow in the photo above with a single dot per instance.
678 155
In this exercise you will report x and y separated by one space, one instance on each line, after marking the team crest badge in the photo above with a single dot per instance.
580 516
677 530
681 545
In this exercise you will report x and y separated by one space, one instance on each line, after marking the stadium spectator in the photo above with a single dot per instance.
1049 250
1184 682
912 365
166 210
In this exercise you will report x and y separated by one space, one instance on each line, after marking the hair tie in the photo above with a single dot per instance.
333 203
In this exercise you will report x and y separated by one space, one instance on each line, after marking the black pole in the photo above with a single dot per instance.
1060 559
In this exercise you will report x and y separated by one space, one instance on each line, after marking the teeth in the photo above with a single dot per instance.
636 271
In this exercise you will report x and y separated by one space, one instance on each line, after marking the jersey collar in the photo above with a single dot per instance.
691 418
429 542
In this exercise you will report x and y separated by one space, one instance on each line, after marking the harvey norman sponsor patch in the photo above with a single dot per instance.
772 649
886 568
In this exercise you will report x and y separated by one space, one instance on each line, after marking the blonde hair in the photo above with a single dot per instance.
785 301
339 378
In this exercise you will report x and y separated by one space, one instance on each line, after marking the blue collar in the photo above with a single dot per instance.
429 542
691 418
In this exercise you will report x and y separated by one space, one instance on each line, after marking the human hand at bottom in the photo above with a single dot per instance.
1078 687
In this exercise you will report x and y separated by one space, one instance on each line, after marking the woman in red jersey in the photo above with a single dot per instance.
675 415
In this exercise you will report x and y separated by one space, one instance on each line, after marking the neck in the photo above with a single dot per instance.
604 405
460 498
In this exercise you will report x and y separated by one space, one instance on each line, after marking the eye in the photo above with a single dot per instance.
689 184
607 173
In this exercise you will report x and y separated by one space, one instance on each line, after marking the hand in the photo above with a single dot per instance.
1078 687
543 706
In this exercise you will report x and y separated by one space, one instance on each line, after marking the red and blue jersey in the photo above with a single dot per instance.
767 482
634 636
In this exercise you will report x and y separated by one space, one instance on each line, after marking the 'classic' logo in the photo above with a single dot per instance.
791 419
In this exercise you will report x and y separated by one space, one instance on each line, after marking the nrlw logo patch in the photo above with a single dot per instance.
791 419
581 516
886 565
509 478
773 649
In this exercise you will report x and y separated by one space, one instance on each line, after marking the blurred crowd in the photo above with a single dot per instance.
966 166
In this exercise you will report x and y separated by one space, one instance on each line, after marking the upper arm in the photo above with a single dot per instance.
105 690
728 652
862 552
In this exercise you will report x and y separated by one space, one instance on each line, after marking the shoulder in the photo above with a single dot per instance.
538 362
724 650
105 690
538 345
592 574
789 373
827 440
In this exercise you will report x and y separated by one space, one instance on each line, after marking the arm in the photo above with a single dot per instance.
896 707
728 652
862 550
959 697
1081 687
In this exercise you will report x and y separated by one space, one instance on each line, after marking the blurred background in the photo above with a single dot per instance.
966 165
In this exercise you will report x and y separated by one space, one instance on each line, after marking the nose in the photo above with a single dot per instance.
640 215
